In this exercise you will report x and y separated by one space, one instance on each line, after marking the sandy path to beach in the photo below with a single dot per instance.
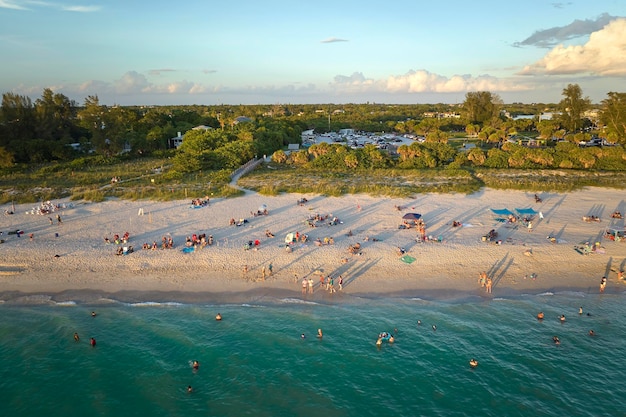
72 257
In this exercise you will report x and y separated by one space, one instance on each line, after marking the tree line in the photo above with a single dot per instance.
55 128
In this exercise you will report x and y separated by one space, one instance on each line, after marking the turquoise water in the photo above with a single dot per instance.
254 361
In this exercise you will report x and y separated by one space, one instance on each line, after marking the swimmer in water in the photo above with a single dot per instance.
540 315
592 333
319 333
391 339
473 363
218 317
302 336
580 310
419 322
379 342
189 389
195 365
76 337
562 318
93 314
556 340
434 327
92 341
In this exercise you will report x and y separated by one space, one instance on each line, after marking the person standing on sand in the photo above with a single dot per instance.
310 285
263 273
304 286
488 285
602 284
270 269
482 279
340 283
530 226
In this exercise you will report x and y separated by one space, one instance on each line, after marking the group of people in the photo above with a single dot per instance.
327 241
198 240
485 282
167 242
616 215
198 202
117 239
327 283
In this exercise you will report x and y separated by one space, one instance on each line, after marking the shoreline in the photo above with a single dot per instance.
71 258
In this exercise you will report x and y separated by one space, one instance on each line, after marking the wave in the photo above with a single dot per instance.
155 304
297 301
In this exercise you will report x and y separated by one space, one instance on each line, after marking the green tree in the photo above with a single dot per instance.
613 117
481 107
572 107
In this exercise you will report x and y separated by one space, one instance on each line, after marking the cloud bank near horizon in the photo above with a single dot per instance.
603 54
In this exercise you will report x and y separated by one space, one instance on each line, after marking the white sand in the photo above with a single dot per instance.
443 269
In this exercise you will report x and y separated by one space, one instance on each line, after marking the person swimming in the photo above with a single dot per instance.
562 318
195 365
218 317
379 342
556 340
319 333
434 327
419 322
473 363
580 310
92 341
302 336
76 337
93 314
189 389
540 315
592 333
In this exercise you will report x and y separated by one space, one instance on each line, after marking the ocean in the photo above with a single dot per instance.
254 362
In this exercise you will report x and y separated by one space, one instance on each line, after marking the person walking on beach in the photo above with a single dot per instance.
263 273
321 280
340 283
270 269
59 219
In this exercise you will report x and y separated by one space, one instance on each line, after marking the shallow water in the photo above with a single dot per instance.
254 361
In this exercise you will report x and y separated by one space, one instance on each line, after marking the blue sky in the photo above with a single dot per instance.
250 52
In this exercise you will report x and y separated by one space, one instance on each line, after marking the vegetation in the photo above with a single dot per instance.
53 147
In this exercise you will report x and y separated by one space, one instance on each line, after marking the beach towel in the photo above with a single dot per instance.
407 259
188 249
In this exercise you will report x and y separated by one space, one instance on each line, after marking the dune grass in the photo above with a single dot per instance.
154 179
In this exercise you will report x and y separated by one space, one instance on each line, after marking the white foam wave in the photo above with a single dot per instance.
66 303
156 304
297 301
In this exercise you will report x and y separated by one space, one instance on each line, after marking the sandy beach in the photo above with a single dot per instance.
70 260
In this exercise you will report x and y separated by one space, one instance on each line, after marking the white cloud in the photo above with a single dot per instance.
423 81
22 5
333 40
81 9
7 4
604 54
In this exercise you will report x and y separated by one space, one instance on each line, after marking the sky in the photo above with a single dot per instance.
139 52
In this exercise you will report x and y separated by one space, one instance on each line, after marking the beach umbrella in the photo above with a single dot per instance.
412 216
290 238
263 207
